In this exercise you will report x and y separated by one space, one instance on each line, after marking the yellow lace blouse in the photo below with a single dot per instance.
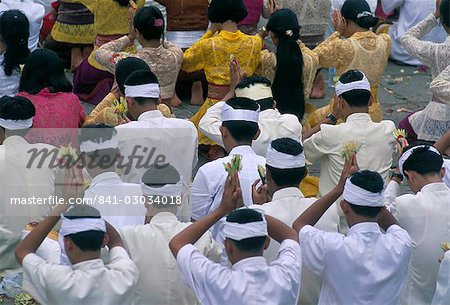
111 18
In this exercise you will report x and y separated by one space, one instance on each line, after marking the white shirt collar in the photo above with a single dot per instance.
364 227
15 139
148 115
89 265
287 192
242 150
251 262
358 116
164 217
433 187
104 177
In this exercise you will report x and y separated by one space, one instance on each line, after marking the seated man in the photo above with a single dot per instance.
422 214
250 280
272 124
366 265
375 140
160 281
87 280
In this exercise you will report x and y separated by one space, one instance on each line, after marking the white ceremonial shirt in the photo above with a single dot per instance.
35 13
272 126
287 205
9 84
364 267
119 203
442 294
88 282
250 281
411 13
160 280
377 146
426 217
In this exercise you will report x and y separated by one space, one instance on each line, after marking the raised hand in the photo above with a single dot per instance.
339 22
232 195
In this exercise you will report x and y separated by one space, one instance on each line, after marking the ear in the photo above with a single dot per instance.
130 101
410 175
257 134
371 100
68 244
443 172
159 100
223 132
274 104
105 240
228 247
267 243
344 206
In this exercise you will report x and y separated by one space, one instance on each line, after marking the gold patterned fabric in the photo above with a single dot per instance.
111 18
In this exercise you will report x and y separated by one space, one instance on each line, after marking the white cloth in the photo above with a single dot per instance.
446 177
184 39
208 186
272 125
426 217
87 282
366 266
249 281
442 294
337 4
231 114
16 124
91 146
287 205
35 13
162 140
358 196
78 225
411 13
356 85
119 203
148 246
144 90
49 249
281 160
375 153
239 231
14 176
10 84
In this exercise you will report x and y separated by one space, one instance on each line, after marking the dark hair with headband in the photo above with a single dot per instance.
288 87
423 161
221 11
289 177
445 12
369 181
98 133
14 33
142 77
127 66
357 97
243 216
264 104
242 131
149 21
359 12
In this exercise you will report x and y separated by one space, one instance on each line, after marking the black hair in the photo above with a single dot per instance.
288 86
144 22
142 77
157 175
243 216
98 133
14 33
423 161
290 177
44 69
445 12
16 108
127 66
265 103
242 131
357 97
88 240
369 181
221 11
124 3
359 12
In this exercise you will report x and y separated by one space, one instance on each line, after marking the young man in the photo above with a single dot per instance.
424 214
366 265
239 128
148 244
325 141
272 124
285 169
250 280
87 280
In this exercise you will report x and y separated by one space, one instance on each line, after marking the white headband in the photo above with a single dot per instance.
255 92
231 114
91 146
240 231
145 90
408 154
74 226
360 84
359 196
166 190
16 124
281 160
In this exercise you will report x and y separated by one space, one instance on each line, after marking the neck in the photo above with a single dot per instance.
242 256
354 28
430 180
154 43
85 256
354 110
234 144
230 26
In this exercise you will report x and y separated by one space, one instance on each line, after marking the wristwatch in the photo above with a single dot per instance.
397 175
332 118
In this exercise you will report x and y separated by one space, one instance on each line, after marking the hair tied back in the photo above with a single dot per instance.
365 14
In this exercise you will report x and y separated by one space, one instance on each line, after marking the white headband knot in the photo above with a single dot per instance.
16 124
255 92
281 160
77 225
361 197
356 85
145 90
239 231
408 154
169 190
91 146
231 114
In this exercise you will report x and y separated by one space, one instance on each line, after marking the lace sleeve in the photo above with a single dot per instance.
267 65
335 52
193 59
109 54
440 86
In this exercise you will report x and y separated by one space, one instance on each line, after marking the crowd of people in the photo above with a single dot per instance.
111 207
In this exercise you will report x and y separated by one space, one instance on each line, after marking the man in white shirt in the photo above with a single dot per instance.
285 169
152 138
87 280
272 124
161 186
325 142
425 215
35 13
366 266
411 13
442 294
239 128
28 174
249 280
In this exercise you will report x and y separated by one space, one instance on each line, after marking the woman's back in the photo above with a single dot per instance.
9 84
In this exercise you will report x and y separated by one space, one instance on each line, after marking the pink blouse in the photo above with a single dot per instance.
254 9
59 111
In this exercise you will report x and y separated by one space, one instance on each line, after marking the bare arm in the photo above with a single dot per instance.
443 143
279 231
386 219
